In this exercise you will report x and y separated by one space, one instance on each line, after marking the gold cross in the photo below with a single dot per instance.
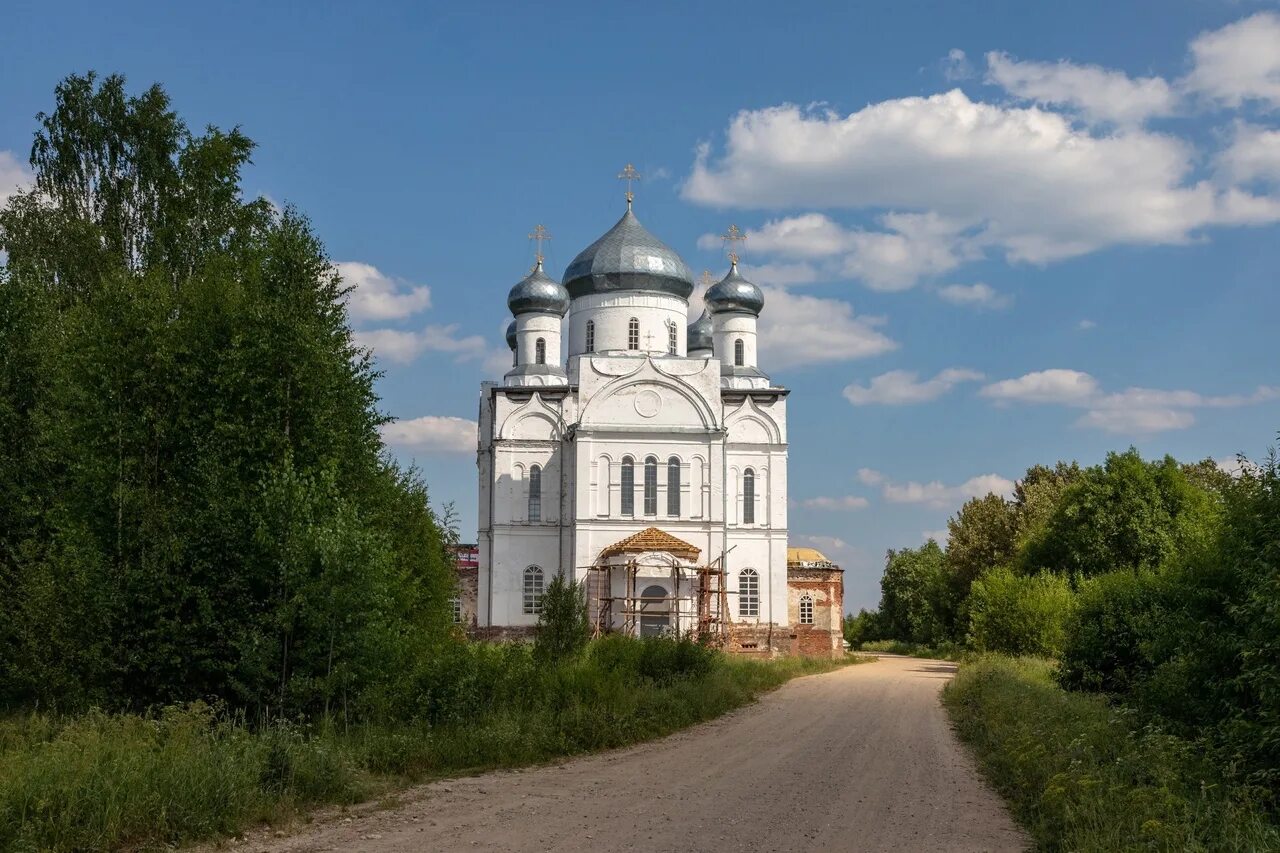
707 278
538 236
733 235
629 174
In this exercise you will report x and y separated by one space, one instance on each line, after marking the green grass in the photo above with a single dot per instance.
1082 775
102 781
946 651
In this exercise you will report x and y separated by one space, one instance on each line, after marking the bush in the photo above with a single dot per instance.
563 626
1108 645
1019 615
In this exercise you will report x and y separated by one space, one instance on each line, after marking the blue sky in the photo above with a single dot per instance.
989 238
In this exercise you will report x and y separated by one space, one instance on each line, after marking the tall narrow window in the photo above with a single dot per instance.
455 604
591 336
651 486
748 593
672 339
633 334
806 609
535 493
628 486
533 590
540 351
749 497
739 352
673 487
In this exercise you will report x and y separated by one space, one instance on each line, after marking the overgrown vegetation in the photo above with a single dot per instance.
100 781
1085 775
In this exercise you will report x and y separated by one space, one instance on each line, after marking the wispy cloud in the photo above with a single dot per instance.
432 433
900 387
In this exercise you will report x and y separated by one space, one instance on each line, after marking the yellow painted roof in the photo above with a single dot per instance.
806 555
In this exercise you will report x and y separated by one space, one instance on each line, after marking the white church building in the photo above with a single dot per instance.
650 465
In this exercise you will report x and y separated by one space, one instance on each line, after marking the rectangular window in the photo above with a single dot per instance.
633 334
748 593
749 497
651 487
591 336
455 604
628 487
673 487
672 339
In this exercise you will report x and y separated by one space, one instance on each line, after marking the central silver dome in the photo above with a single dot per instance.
628 257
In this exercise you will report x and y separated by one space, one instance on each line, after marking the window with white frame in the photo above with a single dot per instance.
633 334
533 590
455 604
673 487
749 497
673 339
628 486
806 609
591 336
535 493
651 485
540 351
739 352
748 593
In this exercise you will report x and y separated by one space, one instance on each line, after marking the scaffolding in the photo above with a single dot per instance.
698 602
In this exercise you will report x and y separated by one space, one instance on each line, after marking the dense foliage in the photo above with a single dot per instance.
1019 614
194 500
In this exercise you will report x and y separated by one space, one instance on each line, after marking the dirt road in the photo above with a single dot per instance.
858 759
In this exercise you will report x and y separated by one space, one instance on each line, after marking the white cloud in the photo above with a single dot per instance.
1254 154
940 536
978 295
956 66
14 176
1086 325
1099 94
1045 386
1031 182
845 503
1133 410
404 347
798 330
936 493
380 297
432 433
1239 62
826 544
898 387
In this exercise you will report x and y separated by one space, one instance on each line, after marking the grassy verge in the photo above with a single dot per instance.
946 651
100 781
1082 776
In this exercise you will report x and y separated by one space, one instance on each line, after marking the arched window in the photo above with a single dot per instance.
533 590
591 336
739 353
672 338
455 604
540 351
633 334
535 493
748 593
651 486
806 609
628 486
673 486
655 611
749 497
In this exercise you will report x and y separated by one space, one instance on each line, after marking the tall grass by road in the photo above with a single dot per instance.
1082 775
100 781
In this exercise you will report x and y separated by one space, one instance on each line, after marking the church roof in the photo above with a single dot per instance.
652 539
511 335
806 555
735 293
628 257
538 292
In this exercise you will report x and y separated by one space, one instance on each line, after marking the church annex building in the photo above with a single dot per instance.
650 466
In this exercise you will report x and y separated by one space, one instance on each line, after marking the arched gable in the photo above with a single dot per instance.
535 420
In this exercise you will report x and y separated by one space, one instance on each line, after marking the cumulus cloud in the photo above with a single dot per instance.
1098 94
376 296
432 433
978 295
797 330
14 176
845 503
403 347
899 387
1239 62
1253 155
936 494
1133 410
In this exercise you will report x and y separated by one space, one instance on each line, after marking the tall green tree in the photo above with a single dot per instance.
915 597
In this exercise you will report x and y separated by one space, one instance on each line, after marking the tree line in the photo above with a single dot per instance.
1153 582
194 498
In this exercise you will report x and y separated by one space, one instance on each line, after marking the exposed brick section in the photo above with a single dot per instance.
824 585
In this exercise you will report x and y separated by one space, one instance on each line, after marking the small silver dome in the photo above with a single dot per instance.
735 293
698 336
538 292
511 334
628 257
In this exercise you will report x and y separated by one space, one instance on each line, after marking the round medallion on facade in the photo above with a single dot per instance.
648 403
628 257
538 293
735 293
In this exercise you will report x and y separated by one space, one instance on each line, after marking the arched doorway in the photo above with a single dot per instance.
655 611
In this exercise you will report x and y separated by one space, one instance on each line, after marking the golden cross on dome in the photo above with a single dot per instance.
629 174
707 278
539 235
733 235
